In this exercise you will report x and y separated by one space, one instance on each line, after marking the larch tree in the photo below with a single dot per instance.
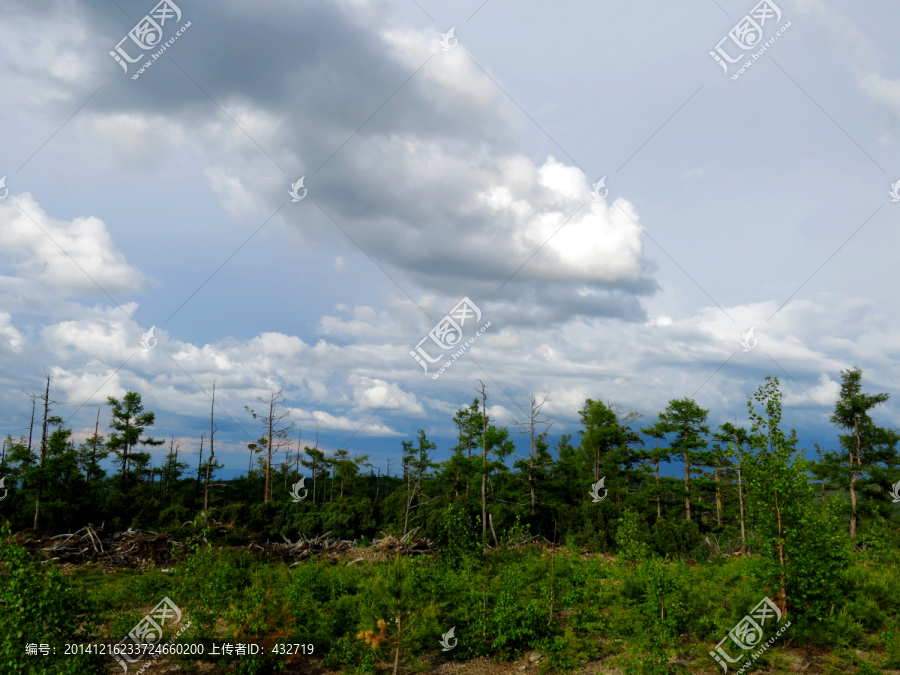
686 420
656 455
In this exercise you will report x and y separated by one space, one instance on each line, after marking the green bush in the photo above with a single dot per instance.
39 606
678 540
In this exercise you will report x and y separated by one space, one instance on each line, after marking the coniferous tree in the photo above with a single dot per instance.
656 455
128 423
866 445
416 465
684 418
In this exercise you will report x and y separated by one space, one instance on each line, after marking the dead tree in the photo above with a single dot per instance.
484 523
43 458
212 450
276 432
200 465
532 422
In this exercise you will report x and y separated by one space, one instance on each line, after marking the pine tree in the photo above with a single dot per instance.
686 419
866 444
128 423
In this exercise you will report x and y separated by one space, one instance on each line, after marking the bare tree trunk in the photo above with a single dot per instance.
378 485
484 523
200 465
287 463
93 463
316 467
269 448
37 502
409 499
718 499
531 457
687 481
469 463
175 467
783 590
854 475
34 398
741 501
493 531
212 449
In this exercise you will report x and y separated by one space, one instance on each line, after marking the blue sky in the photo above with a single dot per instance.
435 175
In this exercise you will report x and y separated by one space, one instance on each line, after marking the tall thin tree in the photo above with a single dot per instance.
212 448
43 458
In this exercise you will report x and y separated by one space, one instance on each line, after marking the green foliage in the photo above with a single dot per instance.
669 601
630 538
39 607
809 572
677 539
458 537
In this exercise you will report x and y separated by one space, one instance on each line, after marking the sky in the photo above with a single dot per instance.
599 200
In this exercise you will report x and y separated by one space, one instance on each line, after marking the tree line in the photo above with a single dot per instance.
729 473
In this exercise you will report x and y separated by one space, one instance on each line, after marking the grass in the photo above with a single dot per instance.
644 617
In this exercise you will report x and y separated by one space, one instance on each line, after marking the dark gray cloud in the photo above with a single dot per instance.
431 186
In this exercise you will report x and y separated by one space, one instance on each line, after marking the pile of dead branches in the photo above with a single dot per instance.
142 549
138 549
408 544
305 547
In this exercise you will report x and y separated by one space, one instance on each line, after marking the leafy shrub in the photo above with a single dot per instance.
39 606
629 537
678 540
457 538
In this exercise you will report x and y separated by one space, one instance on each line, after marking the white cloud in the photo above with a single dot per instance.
71 258
11 338
375 394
